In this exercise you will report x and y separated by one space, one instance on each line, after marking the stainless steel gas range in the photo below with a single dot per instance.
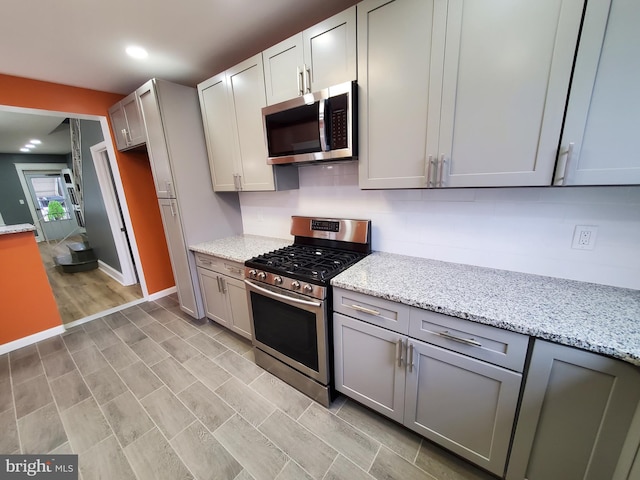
290 300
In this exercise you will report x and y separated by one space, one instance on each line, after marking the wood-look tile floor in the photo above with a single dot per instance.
79 295
147 393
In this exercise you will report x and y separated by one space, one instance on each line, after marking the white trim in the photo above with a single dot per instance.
100 156
162 293
104 313
112 272
35 167
36 337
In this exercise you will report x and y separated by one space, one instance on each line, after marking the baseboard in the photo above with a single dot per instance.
112 272
162 293
28 340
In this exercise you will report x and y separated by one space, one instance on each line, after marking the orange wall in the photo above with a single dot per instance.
135 169
28 305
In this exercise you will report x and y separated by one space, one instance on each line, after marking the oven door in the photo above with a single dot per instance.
291 328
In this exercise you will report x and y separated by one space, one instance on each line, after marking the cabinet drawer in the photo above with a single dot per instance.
494 345
377 311
219 265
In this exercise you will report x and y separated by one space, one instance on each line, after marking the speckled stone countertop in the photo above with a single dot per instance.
592 317
18 228
240 247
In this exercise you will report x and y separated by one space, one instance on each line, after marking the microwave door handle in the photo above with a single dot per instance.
323 125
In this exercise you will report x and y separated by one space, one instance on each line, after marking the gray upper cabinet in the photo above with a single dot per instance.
231 105
576 411
126 120
603 114
321 56
454 94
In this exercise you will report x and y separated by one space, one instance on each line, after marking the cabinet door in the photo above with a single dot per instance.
284 70
463 404
246 87
238 306
156 145
369 365
576 411
216 110
400 51
603 114
131 107
330 51
119 125
215 301
506 75
178 256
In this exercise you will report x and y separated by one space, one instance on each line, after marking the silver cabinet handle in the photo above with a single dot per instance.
307 87
466 341
124 135
219 287
233 269
236 181
300 81
365 310
399 351
441 169
168 188
569 154
427 174
410 363
223 284
173 212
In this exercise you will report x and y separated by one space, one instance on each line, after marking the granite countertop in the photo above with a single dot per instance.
598 318
240 247
18 228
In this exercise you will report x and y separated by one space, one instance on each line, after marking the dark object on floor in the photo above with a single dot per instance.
81 258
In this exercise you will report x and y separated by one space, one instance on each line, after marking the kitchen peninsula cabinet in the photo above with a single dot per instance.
231 105
454 95
126 120
224 293
425 370
319 57
576 411
603 114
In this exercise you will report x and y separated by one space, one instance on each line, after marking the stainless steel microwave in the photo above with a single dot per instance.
314 127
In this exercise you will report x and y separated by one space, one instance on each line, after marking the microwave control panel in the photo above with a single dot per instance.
339 119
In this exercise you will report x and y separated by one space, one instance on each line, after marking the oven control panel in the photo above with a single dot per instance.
325 225
286 283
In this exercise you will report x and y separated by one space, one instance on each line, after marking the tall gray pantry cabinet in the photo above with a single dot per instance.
191 211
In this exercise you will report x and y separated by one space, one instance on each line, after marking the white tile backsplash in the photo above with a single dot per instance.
521 229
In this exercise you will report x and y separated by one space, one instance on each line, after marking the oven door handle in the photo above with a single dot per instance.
282 297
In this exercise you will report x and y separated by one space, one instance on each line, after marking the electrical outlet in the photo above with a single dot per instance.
584 237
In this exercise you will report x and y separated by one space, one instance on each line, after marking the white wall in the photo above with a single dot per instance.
522 229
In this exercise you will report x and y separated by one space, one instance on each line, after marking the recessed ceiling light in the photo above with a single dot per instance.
29 145
25 150
35 141
136 52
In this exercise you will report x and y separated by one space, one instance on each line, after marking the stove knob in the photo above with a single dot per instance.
295 285
262 276
252 273
308 288
277 280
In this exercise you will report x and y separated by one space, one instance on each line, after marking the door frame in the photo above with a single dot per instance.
103 161
21 168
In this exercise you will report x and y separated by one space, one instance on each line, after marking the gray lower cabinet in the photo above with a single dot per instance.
576 417
224 294
465 404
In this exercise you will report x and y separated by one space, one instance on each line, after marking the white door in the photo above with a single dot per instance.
599 144
54 210
101 162
506 76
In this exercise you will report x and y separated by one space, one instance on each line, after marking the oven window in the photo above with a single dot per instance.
289 330
293 131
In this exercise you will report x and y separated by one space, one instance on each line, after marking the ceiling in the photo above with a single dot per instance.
82 43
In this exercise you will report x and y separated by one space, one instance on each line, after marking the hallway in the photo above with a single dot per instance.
81 294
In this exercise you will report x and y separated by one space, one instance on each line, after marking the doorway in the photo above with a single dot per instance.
54 212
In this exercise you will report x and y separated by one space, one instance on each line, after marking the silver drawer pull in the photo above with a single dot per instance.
466 341
365 310
410 357
233 269
399 351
